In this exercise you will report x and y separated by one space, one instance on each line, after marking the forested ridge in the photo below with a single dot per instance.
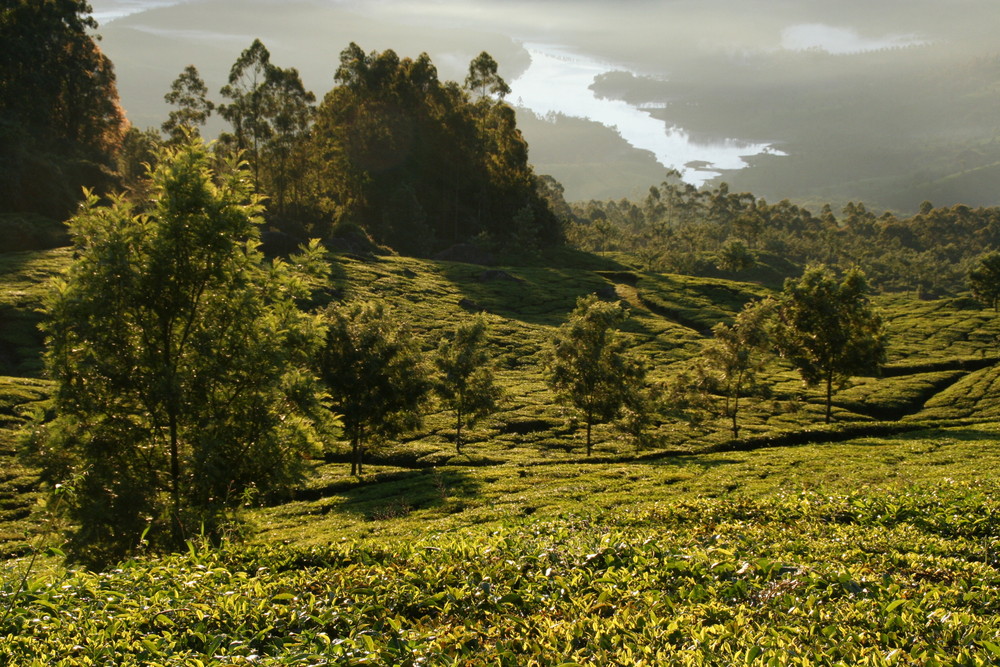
353 385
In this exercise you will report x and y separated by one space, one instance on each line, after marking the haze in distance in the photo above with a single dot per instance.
891 103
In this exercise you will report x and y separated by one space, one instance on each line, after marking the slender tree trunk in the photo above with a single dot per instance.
175 476
356 453
589 420
458 432
829 396
734 414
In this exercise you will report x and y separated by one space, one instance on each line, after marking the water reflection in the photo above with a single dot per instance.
558 83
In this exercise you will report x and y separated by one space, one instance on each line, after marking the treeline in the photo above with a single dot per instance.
394 155
416 163
60 122
682 229
393 152
193 376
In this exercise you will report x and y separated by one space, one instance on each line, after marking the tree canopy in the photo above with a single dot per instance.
984 279
588 364
465 375
60 120
736 355
415 161
828 329
190 95
179 359
375 374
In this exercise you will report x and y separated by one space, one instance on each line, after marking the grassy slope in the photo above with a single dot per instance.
700 554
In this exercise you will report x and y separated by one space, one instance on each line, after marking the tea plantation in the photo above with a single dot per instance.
872 541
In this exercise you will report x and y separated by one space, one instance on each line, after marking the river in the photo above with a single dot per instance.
558 83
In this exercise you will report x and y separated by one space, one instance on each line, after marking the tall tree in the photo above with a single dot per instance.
465 376
484 79
984 279
588 365
375 374
60 120
828 329
179 359
290 116
247 113
415 162
271 113
190 95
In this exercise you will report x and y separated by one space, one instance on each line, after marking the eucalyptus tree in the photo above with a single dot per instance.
484 79
180 360
190 95
416 162
270 112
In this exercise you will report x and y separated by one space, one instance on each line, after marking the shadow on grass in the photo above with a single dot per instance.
21 342
537 296
395 494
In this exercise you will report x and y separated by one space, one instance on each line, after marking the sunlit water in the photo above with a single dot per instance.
558 83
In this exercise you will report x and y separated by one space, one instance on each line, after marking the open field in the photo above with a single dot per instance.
873 541
874 552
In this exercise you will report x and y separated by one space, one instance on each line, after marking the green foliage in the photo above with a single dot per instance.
802 577
374 372
483 78
735 257
736 356
178 357
828 329
465 379
418 164
984 279
271 112
189 94
588 365
683 229
60 122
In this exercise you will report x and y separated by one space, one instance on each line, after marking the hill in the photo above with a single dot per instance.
873 539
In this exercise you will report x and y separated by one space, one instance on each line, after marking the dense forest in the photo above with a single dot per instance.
609 432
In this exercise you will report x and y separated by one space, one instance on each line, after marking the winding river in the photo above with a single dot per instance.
558 83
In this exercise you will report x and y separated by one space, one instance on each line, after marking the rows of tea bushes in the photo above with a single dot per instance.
804 578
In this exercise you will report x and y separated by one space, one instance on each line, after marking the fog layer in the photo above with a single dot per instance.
891 102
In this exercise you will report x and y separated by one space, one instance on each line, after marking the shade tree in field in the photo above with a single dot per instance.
375 375
732 361
639 410
984 279
180 361
465 375
828 329
588 366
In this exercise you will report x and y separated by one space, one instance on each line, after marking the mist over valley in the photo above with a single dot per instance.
891 103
